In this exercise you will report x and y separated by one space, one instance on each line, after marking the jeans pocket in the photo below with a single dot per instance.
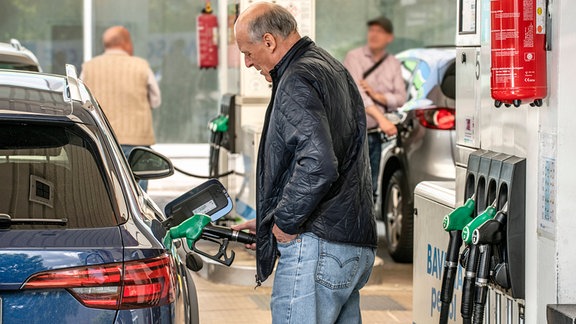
337 264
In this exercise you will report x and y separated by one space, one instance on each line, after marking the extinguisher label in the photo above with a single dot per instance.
540 16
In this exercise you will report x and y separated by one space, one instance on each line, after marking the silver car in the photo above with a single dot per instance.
423 149
14 56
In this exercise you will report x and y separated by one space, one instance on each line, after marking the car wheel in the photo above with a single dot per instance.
398 218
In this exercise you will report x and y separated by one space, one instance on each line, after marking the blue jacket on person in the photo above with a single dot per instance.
313 172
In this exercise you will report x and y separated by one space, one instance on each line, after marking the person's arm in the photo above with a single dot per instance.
154 96
352 64
397 97
303 124
383 123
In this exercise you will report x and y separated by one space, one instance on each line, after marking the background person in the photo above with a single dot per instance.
314 198
126 88
379 78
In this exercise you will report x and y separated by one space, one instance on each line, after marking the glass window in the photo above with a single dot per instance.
52 172
164 33
52 30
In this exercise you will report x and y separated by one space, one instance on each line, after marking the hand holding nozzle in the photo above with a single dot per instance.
197 227
476 222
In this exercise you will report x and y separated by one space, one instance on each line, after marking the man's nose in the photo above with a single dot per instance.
248 62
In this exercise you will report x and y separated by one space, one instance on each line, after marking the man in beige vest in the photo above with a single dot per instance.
125 87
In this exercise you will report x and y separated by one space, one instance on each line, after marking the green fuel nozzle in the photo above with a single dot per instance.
219 124
488 214
191 229
460 217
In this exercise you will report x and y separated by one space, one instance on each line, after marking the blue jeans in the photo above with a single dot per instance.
127 149
318 281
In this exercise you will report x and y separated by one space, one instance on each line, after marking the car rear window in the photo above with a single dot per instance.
52 172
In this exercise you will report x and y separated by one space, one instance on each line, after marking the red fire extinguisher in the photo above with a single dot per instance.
207 38
518 73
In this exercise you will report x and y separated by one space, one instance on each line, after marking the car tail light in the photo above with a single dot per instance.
134 284
437 118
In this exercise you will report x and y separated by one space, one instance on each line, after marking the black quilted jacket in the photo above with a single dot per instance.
313 173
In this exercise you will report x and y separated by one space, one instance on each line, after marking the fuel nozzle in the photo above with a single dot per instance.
467 231
191 229
453 224
491 232
460 217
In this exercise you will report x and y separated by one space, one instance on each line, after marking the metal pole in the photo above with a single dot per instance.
87 25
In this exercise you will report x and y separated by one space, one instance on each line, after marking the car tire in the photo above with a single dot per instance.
398 218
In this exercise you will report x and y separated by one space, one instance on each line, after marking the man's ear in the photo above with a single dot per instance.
269 41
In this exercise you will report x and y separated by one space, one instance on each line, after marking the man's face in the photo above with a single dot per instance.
378 38
256 54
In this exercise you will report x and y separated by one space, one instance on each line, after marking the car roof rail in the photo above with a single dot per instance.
16 44
75 89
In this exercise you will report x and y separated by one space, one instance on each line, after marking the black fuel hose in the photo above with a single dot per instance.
482 278
449 274
220 232
467 304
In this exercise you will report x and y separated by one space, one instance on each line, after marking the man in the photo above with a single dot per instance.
126 89
314 198
379 79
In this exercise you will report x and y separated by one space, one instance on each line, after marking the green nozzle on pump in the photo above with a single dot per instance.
219 124
460 217
191 229
467 231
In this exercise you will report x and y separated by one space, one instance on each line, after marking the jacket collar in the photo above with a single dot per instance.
295 52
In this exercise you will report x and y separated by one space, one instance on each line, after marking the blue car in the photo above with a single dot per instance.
79 240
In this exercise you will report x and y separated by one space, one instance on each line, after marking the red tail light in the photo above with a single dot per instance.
437 118
137 284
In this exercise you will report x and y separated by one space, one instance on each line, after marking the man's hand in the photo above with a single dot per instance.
251 227
376 96
282 237
387 127
383 123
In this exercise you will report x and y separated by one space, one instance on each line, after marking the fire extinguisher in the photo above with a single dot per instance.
207 38
518 39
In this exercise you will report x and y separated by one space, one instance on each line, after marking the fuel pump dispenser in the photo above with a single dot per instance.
522 158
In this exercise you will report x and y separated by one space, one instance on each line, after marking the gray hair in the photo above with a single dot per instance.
277 21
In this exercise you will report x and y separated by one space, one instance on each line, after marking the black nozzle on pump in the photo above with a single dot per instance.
484 236
453 224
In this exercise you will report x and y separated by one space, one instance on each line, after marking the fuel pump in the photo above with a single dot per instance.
518 42
453 224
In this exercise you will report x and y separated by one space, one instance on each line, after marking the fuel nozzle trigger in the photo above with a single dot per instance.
221 256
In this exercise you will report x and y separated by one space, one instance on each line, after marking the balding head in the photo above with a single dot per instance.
264 17
118 37
265 32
